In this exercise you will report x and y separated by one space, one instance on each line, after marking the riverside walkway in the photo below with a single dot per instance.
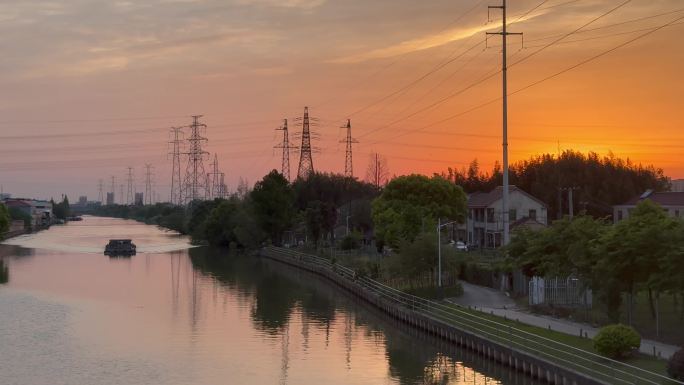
536 355
497 303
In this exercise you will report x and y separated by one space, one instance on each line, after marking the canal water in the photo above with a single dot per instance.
179 315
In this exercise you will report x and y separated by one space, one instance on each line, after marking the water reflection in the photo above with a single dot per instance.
4 272
200 317
281 293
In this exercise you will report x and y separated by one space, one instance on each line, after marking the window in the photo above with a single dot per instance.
533 214
490 215
619 214
512 215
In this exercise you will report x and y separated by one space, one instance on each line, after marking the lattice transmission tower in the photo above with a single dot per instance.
214 182
285 146
130 195
348 165
100 190
195 183
176 187
306 166
148 184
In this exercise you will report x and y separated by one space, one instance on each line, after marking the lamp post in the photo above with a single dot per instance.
439 249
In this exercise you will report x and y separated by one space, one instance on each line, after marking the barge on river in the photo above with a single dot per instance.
120 248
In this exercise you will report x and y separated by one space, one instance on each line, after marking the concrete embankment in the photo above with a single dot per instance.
517 359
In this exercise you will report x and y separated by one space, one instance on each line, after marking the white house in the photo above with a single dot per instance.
484 223
671 201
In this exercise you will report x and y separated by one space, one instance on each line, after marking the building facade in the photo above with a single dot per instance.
671 201
484 223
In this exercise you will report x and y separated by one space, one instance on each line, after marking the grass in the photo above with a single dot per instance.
546 349
537 343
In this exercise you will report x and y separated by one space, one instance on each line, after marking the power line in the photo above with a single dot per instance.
597 56
482 80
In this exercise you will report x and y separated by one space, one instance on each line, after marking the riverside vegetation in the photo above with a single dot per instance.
312 215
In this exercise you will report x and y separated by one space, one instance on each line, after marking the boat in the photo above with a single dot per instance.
120 248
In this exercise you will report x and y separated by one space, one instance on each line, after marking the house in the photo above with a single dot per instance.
484 223
671 201
39 211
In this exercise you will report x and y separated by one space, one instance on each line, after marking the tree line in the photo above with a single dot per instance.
599 182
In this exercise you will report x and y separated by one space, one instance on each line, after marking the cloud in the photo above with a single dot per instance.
426 42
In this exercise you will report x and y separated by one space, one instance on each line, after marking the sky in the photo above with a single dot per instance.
91 88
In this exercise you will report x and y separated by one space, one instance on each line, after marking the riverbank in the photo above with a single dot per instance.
521 349
497 303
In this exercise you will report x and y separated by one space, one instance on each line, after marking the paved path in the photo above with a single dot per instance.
498 303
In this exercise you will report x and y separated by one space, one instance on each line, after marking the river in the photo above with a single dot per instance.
179 315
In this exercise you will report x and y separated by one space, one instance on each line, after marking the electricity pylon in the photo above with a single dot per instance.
285 145
195 176
348 166
306 166
176 187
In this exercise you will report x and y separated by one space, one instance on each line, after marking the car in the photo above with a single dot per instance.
461 246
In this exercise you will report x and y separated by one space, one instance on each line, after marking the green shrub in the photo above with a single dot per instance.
616 341
675 367
436 293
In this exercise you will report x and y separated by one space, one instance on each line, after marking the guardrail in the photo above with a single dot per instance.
566 356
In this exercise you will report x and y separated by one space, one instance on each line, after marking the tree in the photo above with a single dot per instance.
377 172
4 219
636 251
273 202
321 196
61 210
408 202
602 181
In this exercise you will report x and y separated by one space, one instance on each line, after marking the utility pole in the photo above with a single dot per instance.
176 188
285 145
130 197
571 209
148 184
348 166
121 194
306 167
195 177
504 68
100 189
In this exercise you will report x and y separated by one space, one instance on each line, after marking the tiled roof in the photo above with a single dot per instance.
484 199
16 203
662 198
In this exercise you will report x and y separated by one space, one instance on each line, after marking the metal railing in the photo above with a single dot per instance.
505 335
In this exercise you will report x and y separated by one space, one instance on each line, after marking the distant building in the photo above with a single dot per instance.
4 196
139 199
39 211
677 185
671 201
484 224
83 200
110 198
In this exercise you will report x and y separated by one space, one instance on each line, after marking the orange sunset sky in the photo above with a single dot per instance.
90 88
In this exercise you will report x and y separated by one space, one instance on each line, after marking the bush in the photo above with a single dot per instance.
616 341
675 367
436 293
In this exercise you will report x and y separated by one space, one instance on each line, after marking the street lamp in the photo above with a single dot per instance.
439 249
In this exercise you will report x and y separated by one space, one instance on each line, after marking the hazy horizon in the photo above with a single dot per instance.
90 89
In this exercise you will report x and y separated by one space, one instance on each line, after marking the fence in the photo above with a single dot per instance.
431 315
556 291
